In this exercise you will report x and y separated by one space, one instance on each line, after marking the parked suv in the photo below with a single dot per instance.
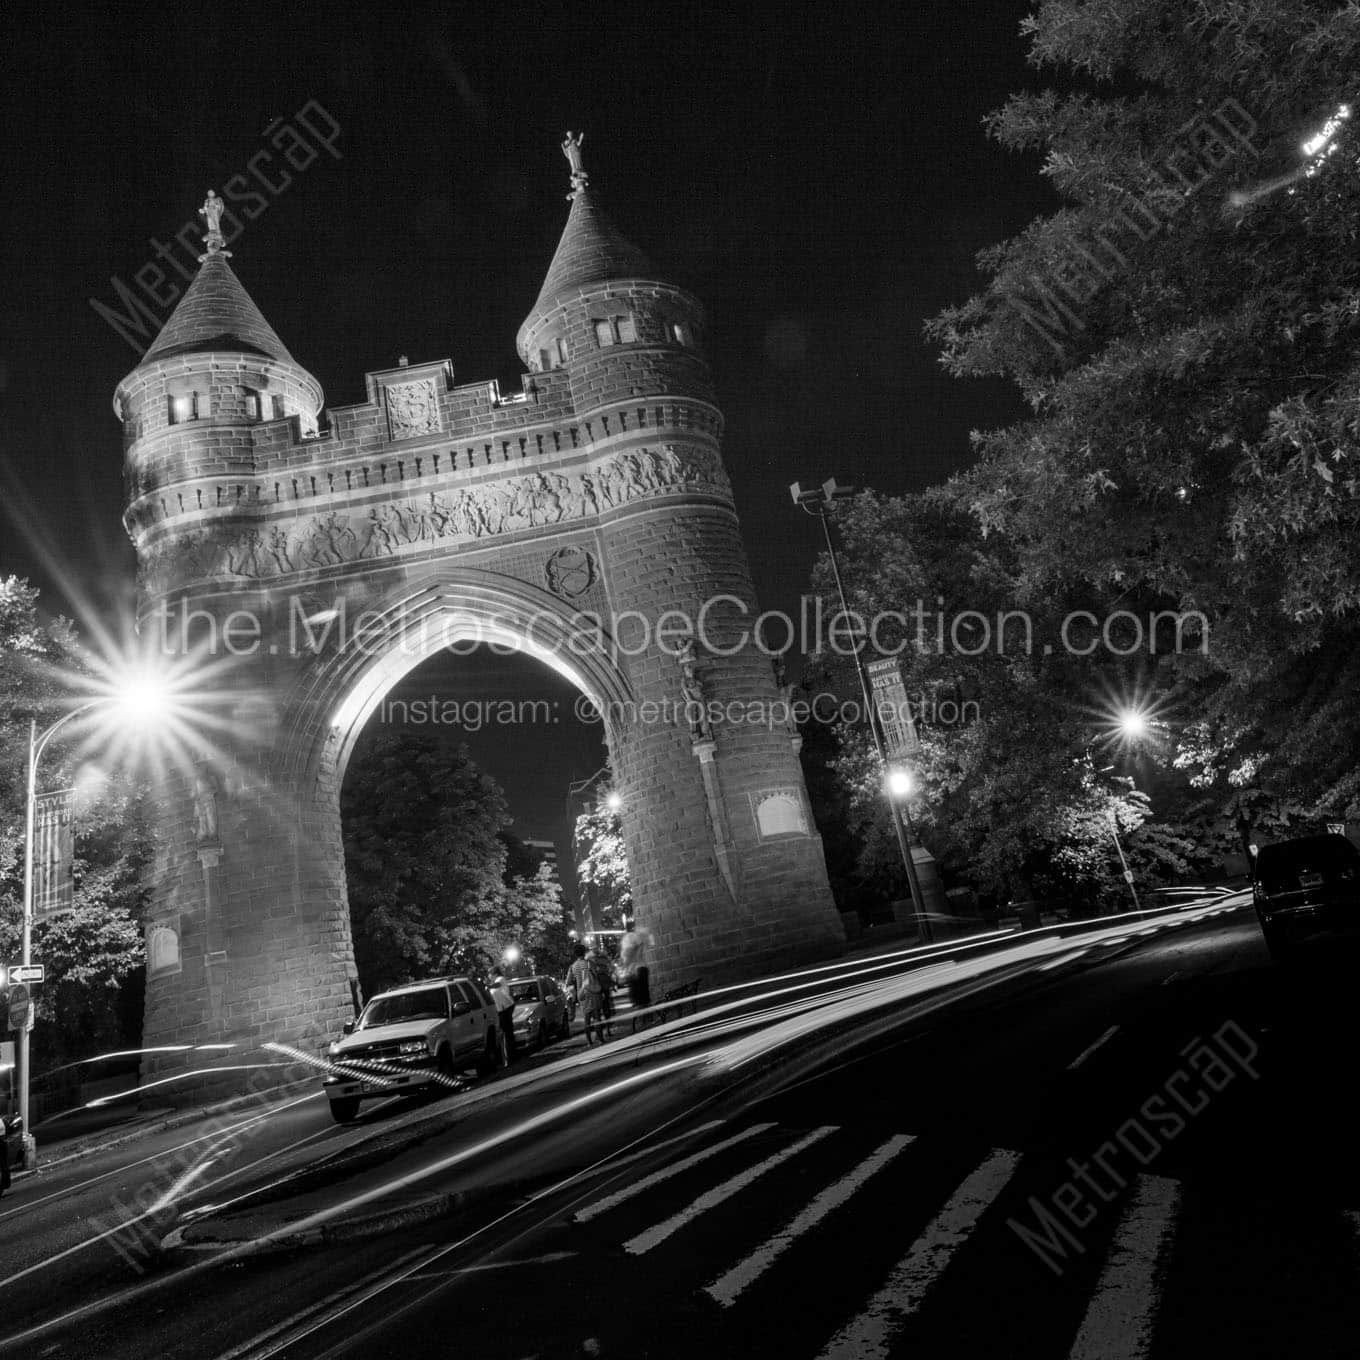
540 1011
1307 888
420 1035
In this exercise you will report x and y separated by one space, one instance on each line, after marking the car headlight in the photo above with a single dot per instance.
334 1050
410 1047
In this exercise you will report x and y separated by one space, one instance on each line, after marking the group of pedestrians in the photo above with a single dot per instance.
590 981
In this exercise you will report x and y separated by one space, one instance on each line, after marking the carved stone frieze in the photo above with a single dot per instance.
533 500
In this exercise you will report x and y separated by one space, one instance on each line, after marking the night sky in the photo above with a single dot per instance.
818 175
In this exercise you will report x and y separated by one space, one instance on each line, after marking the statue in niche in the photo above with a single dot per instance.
205 805
692 690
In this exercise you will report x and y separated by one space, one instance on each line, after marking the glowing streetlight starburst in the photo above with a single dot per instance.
901 783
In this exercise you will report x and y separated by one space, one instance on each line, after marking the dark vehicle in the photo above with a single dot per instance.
11 1148
417 1036
1306 889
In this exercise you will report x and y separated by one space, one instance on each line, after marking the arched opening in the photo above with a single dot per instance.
464 742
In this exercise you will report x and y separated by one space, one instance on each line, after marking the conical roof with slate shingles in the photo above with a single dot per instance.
217 314
591 250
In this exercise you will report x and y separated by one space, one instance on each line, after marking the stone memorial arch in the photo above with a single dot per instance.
308 562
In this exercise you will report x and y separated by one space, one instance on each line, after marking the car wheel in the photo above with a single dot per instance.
448 1073
344 1109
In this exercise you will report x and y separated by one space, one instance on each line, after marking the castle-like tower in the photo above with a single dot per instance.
440 511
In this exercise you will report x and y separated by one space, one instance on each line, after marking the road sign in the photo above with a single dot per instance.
26 972
18 1006
1336 828
1128 875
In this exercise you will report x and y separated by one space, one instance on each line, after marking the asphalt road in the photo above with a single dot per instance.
1146 1150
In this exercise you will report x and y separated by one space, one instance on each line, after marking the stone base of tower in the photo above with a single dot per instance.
249 963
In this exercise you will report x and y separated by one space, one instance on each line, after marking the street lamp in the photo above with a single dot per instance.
614 800
816 500
138 700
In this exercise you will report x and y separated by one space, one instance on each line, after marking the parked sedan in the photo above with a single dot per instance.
540 1011
1306 889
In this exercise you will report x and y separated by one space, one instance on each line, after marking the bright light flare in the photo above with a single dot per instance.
511 954
901 783
1133 723
614 801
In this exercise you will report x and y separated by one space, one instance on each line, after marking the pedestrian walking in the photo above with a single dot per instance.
604 972
635 960
505 1013
586 984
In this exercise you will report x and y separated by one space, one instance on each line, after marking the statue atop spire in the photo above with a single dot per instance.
213 241
571 149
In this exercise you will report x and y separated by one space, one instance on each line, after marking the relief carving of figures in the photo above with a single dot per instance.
570 571
418 524
412 409
385 531
331 541
198 556
279 550
243 554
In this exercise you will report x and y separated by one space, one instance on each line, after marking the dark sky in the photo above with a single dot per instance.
817 174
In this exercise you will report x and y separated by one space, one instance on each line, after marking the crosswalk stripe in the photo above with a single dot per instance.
868 1337
658 1233
726 1289
1119 1320
602 1206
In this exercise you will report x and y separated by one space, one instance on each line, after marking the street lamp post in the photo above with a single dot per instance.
36 746
139 698
815 500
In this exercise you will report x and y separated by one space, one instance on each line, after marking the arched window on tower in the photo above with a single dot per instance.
627 329
561 351
680 333
183 406
604 332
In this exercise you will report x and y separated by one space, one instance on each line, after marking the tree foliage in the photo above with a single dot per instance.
426 865
94 955
602 864
1195 384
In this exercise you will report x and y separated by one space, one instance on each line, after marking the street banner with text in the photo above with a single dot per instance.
53 888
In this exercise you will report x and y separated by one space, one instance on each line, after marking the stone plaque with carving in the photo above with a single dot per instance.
412 409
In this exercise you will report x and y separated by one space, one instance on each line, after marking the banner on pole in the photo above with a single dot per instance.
890 702
53 889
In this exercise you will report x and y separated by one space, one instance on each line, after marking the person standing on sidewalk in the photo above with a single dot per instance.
586 984
505 1013
634 958
604 972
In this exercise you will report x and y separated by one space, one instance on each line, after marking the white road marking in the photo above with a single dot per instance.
1119 1321
726 1289
602 1206
658 1233
1086 1052
1171 977
870 1335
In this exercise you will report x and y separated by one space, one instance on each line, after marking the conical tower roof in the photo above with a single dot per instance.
592 250
217 314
